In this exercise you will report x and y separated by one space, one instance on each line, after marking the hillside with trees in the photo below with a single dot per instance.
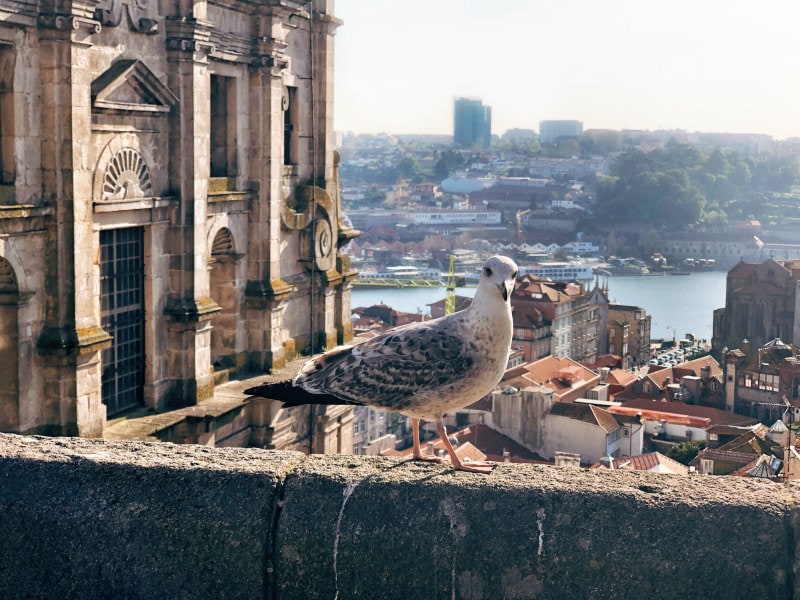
680 187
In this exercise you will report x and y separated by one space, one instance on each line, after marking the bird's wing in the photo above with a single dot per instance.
391 369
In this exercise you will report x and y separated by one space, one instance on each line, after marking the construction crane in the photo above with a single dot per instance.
450 293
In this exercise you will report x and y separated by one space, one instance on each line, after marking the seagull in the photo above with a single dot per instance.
422 370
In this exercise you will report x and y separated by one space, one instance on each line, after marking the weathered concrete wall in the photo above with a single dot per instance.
89 518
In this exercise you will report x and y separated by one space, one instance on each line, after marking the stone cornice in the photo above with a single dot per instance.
191 310
189 35
67 22
20 12
272 290
66 341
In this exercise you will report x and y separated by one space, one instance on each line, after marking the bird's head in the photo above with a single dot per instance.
498 276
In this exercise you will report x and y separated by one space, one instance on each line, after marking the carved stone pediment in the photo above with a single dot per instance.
129 86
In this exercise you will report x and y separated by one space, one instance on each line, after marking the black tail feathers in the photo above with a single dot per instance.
291 395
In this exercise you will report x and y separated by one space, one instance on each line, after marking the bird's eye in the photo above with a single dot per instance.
488 271
514 275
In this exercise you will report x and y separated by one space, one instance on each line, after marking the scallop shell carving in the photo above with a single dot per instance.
127 176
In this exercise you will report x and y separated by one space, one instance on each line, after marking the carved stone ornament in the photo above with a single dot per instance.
324 247
319 240
66 22
126 177
141 14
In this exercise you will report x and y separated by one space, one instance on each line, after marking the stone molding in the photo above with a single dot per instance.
67 22
189 36
65 341
267 291
191 310
150 95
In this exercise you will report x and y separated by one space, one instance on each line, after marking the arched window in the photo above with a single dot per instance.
9 348
225 292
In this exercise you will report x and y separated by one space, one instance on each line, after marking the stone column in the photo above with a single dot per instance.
189 308
266 293
71 339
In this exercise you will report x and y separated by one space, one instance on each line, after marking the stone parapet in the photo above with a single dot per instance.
91 518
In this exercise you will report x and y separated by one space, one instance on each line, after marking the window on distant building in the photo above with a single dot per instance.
759 381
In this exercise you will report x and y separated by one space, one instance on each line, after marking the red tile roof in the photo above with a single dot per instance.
490 443
569 379
669 417
679 412
659 375
652 461
621 377
694 367
587 413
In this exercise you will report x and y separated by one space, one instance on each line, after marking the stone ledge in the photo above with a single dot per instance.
87 518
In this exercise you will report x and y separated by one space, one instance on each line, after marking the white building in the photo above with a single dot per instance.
581 248
590 431
551 131
522 182
471 216
560 271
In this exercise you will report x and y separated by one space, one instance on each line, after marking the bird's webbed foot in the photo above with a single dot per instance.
476 466
428 457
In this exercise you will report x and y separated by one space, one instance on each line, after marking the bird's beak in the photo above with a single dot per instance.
505 289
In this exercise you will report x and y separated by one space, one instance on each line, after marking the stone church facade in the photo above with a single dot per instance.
761 304
168 202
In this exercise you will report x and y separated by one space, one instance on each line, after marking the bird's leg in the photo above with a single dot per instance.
417 448
475 467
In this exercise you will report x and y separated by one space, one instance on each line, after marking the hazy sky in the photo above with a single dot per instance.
698 65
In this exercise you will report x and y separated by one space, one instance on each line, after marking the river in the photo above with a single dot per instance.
677 304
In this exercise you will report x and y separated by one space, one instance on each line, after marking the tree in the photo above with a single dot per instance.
565 148
685 452
408 168
717 164
447 163
600 141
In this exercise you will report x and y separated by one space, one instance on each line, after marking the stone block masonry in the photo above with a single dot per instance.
100 519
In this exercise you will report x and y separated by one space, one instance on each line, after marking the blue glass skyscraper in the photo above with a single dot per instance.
472 123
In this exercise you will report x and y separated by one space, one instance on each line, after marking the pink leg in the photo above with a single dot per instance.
474 467
417 448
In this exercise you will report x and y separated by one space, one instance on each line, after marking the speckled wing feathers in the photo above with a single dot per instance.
394 370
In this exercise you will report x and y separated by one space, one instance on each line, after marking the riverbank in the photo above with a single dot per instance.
677 305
